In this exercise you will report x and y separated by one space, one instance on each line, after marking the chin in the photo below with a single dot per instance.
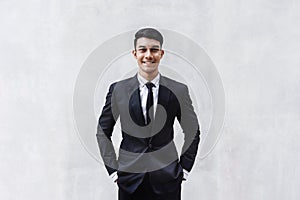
148 70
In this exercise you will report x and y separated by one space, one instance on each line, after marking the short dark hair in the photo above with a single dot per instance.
150 33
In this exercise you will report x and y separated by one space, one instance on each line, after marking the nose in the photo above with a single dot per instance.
148 54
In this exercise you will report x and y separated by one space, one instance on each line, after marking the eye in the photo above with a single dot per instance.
154 50
142 50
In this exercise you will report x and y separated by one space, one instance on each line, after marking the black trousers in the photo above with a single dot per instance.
145 192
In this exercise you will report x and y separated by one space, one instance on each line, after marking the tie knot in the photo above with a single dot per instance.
150 85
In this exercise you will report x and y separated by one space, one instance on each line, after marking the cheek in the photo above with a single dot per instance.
139 57
157 58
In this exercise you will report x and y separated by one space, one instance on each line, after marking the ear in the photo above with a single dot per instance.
162 52
134 53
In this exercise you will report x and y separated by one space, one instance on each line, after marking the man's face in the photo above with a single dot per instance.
148 54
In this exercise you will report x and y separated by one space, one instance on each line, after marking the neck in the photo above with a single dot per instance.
148 76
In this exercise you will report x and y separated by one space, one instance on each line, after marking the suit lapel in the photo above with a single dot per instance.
135 108
163 100
163 92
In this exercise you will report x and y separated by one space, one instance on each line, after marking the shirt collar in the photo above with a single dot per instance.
143 81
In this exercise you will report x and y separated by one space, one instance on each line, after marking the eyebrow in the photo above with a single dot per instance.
155 46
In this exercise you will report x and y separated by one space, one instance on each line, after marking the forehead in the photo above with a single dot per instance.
147 42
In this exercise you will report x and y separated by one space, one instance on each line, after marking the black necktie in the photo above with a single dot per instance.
149 102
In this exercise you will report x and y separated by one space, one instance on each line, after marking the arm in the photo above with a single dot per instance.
105 128
189 124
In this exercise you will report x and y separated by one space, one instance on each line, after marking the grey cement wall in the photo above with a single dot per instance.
254 45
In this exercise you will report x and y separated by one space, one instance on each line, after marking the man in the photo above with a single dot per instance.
147 104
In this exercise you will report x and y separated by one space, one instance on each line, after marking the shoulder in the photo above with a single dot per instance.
127 80
172 84
123 87
124 83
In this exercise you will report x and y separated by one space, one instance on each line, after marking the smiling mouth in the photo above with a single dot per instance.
145 62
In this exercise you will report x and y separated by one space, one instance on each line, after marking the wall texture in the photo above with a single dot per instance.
254 45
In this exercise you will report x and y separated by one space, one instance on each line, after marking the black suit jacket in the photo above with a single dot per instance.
148 149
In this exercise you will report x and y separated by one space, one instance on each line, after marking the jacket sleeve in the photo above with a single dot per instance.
106 123
189 124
